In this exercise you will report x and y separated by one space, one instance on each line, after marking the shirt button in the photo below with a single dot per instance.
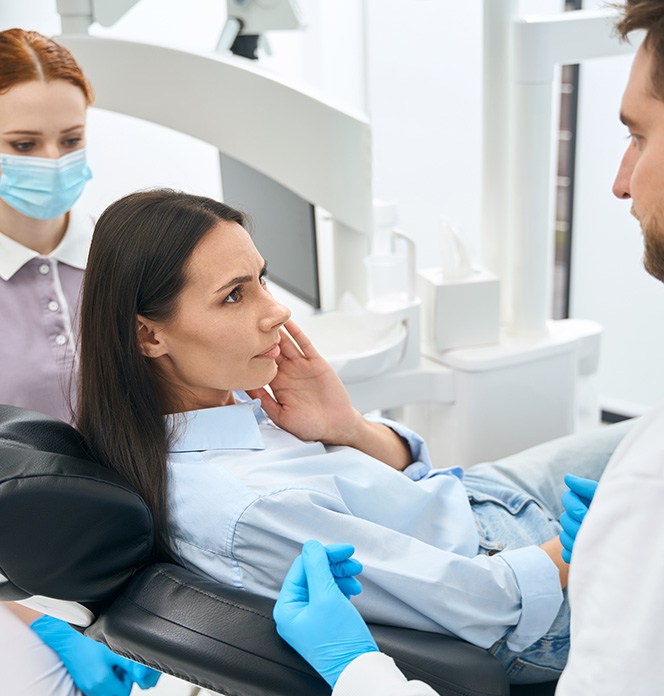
492 552
61 339
53 306
44 268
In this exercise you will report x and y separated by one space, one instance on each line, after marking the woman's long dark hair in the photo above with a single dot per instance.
137 265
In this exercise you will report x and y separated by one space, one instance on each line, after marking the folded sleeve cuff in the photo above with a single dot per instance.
541 594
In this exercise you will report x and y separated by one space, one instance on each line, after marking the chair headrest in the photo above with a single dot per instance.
69 528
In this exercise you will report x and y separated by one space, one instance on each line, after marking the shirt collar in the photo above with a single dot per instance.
72 250
223 427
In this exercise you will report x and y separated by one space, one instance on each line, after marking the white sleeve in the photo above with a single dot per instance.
27 665
376 673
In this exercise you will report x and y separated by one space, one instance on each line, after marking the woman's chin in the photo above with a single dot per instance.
262 381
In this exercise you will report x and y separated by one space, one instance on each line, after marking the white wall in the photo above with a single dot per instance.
424 68
425 88
609 283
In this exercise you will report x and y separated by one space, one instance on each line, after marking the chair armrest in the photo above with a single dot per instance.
225 640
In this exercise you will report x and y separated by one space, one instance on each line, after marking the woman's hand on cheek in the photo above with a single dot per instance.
308 399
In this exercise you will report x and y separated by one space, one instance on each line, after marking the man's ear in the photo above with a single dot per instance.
150 340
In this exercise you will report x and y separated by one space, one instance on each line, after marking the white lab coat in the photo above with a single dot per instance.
617 575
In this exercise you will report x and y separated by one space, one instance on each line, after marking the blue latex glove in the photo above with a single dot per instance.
94 669
576 502
314 616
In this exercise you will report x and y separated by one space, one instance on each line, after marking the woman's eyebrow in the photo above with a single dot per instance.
238 280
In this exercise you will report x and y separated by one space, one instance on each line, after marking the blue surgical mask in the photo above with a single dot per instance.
40 187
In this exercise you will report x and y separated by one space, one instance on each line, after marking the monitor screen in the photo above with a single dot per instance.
282 225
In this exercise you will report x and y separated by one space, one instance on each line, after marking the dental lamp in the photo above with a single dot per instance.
247 20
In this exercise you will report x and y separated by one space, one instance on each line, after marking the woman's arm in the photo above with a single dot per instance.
381 442
553 549
309 400
407 582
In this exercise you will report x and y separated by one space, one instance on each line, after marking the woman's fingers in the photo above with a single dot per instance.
289 349
299 341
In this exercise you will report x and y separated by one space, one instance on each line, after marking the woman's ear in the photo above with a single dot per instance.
150 340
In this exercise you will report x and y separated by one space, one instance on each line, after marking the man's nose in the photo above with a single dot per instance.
621 185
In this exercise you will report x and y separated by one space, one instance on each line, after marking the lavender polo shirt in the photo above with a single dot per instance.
39 298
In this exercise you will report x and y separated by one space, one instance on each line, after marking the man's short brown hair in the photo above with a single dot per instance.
647 15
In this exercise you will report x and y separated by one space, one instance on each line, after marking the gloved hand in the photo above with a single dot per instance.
94 669
342 566
314 616
576 502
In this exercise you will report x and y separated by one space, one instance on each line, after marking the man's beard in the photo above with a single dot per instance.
653 243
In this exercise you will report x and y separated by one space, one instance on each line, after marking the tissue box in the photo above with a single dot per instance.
459 312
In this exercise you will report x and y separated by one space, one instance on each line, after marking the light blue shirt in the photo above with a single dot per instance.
244 496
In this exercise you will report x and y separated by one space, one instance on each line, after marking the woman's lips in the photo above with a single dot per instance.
272 352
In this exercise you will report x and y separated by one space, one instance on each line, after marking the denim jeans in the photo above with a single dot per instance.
517 502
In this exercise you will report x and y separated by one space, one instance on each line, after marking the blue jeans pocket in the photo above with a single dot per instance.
524 672
507 517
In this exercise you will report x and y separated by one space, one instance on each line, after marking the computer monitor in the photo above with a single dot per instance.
282 224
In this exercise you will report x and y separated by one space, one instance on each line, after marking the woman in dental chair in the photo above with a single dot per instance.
198 388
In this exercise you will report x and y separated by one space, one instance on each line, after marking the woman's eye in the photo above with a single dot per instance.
234 296
263 280
23 146
73 142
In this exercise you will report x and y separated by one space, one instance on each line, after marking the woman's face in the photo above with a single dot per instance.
225 333
42 119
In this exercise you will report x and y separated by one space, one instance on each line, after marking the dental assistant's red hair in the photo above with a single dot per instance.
27 55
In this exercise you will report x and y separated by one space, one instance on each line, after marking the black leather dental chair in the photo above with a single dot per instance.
76 541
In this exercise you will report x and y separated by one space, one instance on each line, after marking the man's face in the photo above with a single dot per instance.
641 173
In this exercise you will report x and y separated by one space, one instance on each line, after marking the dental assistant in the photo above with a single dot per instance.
44 241
44 244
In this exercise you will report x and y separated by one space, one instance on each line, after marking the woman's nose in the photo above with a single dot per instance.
276 316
